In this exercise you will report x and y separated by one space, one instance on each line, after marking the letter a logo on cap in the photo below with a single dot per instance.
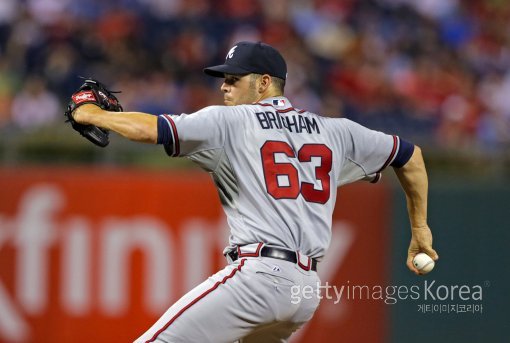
231 52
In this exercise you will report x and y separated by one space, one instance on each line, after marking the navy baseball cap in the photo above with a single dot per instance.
249 57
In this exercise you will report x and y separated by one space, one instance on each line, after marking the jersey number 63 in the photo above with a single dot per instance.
290 186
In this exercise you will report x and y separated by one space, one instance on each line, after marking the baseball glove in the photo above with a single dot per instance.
92 92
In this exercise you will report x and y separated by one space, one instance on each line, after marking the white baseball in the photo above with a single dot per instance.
423 263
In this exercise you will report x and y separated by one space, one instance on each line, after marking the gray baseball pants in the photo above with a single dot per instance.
253 299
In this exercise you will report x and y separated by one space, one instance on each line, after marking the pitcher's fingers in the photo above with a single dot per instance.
432 253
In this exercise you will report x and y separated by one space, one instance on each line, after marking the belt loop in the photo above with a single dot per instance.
308 265
249 254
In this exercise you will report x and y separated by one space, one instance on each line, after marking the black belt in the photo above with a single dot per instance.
279 253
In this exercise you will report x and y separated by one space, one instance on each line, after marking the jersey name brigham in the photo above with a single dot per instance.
294 123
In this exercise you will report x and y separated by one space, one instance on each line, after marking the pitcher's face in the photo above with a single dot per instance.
239 90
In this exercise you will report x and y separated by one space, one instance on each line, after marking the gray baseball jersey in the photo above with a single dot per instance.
277 168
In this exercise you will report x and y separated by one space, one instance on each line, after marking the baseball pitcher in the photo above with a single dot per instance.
277 169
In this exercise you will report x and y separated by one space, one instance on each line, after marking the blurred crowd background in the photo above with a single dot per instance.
436 72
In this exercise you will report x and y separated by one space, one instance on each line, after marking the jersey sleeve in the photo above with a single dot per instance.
367 153
187 134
